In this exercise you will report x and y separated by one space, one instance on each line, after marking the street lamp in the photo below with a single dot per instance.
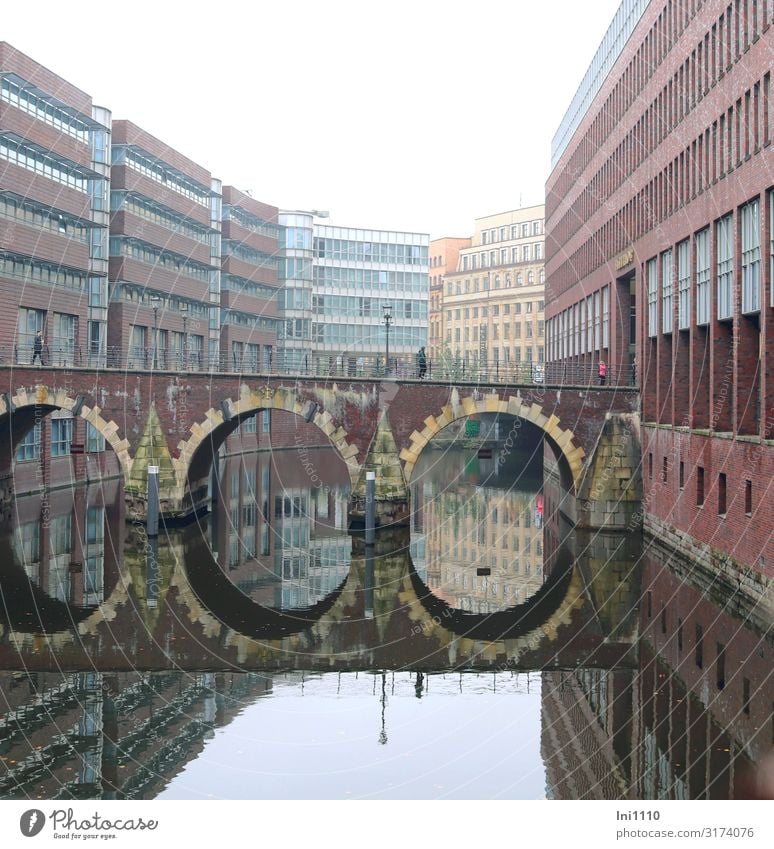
184 311
387 322
155 300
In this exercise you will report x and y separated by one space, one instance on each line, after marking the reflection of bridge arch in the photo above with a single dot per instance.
565 444
48 398
196 454
541 614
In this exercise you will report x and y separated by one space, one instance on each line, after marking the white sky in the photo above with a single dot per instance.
409 114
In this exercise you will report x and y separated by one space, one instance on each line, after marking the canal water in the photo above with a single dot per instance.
264 652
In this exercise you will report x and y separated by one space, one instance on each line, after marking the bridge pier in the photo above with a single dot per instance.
610 494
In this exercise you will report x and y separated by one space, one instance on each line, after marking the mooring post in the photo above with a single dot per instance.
368 589
370 508
152 524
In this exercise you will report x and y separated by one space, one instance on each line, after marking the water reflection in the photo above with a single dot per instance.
484 548
280 540
602 672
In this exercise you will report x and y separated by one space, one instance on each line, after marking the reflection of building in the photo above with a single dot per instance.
480 528
688 723
493 301
659 259
68 544
111 736
281 540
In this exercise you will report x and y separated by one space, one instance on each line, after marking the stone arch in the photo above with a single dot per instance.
252 401
44 396
563 439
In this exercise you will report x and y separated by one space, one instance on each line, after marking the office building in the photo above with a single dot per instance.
659 260
337 289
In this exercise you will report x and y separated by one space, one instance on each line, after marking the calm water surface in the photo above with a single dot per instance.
265 653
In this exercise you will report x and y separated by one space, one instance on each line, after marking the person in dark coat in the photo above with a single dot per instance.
421 363
37 348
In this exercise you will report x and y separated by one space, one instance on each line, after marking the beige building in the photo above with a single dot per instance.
444 255
493 304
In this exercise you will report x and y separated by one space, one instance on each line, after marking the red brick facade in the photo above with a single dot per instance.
674 148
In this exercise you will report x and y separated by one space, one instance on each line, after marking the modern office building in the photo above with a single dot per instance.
164 254
659 261
338 287
493 302
54 172
444 255
54 187
250 246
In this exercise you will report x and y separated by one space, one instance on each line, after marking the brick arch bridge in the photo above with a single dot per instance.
179 420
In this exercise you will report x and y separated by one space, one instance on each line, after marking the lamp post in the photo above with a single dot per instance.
155 300
184 311
387 322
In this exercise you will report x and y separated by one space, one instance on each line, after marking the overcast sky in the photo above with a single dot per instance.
418 115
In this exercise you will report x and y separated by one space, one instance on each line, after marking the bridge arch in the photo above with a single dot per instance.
52 398
565 444
196 453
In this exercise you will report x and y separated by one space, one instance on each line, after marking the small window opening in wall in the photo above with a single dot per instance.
699 486
664 470
699 647
682 475
650 604
748 498
746 696
663 620
679 634
722 494
650 465
721 666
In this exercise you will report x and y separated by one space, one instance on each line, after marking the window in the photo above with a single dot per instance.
666 291
29 447
95 441
699 486
682 475
751 258
699 650
684 285
725 267
722 494
61 437
748 498
702 277
266 421
652 276
30 321
771 243
525 253
606 317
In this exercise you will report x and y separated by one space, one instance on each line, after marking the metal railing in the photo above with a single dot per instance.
333 366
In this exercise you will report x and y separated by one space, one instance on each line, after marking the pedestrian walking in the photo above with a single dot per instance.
37 348
421 363
602 371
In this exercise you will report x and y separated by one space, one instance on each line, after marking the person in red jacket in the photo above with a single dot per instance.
602 372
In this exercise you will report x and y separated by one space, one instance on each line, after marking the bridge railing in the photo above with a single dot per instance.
301 365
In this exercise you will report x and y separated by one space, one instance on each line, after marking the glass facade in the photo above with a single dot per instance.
352 275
